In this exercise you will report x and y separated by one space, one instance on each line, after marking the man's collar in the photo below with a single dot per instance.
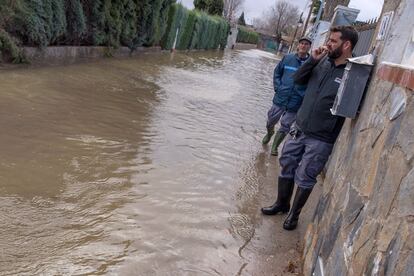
332 61
304 58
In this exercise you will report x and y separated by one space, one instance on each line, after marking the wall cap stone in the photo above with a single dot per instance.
402 75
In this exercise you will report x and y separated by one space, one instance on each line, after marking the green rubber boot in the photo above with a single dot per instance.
268 136
277 141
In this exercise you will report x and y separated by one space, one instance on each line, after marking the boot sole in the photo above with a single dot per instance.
275 213
290 228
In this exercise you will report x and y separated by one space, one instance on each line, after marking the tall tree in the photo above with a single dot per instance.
316 5
201 5
129 22
152 19
76 22
314 9
241 20
215 7
231 8
279 19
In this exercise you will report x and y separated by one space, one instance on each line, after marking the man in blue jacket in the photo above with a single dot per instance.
288 96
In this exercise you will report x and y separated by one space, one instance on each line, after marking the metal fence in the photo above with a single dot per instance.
267 42
366 32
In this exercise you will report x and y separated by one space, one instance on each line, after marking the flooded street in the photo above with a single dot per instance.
143 166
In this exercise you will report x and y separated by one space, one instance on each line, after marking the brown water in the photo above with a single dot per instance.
143 166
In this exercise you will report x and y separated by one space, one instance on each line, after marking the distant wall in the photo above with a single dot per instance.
244 46
73 53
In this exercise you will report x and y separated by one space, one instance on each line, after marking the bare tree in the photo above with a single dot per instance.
279 19
231 8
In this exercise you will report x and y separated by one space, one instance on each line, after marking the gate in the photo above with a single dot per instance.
366 32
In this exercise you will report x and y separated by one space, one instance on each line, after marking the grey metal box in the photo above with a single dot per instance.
352 87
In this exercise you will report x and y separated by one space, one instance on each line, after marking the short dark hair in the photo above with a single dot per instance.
347 33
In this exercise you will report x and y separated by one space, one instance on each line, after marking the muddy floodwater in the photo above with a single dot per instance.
143 166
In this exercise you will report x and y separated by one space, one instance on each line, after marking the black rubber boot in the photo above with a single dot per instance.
301 197
284 194
277 141
268 136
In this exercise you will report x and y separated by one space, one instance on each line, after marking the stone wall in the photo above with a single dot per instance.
244 46
364 221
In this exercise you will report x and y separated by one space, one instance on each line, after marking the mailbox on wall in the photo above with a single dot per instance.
353 84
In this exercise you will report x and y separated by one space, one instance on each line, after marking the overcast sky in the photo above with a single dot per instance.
254 8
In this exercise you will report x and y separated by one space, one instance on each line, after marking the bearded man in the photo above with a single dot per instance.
312 138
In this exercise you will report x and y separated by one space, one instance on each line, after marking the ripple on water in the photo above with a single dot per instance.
200 85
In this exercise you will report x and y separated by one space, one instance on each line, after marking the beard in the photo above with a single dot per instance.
336 53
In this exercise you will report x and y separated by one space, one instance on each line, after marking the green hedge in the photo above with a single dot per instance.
111 23
196 30
9 49
246 36
85 22
186 32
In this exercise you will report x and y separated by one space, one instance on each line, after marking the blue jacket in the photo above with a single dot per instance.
288 95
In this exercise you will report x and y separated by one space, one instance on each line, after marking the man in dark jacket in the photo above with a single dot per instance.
288 96
313 136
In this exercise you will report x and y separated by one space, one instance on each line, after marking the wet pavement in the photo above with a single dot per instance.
142 166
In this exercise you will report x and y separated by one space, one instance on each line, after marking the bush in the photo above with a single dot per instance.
76 22
153 15
36 18
177 20
187 31
9 49
171 22
58 23
246 36
111 23
37 22
97 23
223 34
197 30
216 7
129 23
